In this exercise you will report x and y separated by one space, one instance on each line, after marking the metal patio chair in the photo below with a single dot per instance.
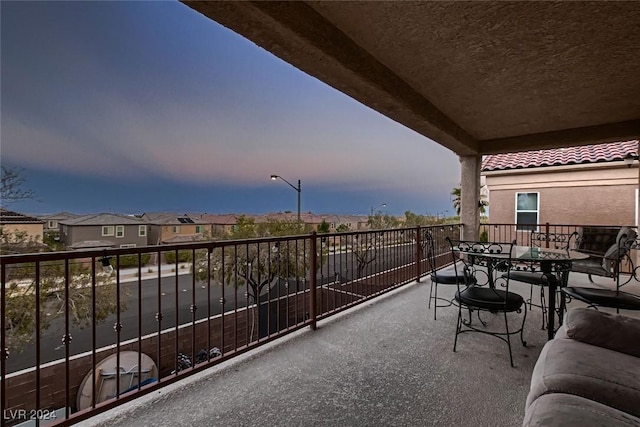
613 298
494 297
450 277
603 260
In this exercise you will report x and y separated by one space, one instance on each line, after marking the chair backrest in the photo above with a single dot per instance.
498 254
597 239
615 254
429 249
554 240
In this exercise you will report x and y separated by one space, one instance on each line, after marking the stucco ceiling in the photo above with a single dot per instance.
476 77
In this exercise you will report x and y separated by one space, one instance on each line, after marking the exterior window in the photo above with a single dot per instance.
199 229
119 230
142 230
107 230
176 228
128 245
53 224
527 210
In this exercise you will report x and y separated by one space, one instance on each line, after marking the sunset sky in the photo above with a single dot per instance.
134 107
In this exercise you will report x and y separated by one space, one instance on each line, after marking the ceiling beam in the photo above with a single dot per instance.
611 132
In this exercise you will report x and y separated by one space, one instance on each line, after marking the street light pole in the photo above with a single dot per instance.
384 205
298 190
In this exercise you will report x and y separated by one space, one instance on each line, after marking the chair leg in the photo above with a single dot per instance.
543 305
435 302
524 318
506 325
530 296
430 294
458 326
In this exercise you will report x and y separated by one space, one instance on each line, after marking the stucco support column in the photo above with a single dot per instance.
470 196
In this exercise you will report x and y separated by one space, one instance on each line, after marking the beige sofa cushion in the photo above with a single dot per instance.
595 373
566 410
612 331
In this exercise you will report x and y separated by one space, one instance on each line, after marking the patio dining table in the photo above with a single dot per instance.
553 263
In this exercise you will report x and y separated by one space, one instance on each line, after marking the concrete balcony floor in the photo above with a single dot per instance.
385 363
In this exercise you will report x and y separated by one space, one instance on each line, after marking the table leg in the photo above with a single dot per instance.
553 287
552 307
563 297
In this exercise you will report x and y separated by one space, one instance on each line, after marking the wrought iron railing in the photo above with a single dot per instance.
85 331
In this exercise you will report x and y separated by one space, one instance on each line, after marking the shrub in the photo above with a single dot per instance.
183 256
127 261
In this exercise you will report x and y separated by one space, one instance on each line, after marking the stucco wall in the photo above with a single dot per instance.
583 195
580 205
34 231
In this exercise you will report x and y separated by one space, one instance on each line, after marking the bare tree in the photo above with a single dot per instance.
257 265
11 186
23 300
365 250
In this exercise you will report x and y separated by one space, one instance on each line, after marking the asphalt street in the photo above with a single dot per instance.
150 294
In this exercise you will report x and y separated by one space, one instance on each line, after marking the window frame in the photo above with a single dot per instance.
119 228
518 211
142 231
111 230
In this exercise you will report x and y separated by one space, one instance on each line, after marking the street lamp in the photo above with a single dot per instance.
298 189
384 205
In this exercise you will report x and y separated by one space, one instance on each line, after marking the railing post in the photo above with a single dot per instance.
312 279
418 254
546 231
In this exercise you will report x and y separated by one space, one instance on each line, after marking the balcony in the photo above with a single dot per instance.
361 349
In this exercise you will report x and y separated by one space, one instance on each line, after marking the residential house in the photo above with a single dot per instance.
221 224
103 230
51 221
168 228
29 229
345 222
588 185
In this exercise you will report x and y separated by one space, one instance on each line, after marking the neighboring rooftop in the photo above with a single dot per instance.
11 217
103 219
610 152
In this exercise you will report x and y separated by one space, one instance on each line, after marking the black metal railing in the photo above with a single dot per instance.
85 331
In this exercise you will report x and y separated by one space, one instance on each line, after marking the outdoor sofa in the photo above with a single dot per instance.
589 374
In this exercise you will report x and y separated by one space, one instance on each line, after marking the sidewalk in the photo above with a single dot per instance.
166 270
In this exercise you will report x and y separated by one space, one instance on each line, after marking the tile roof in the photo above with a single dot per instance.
92 244
610 152
220 219
103 219
59 215
11 217
185 238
